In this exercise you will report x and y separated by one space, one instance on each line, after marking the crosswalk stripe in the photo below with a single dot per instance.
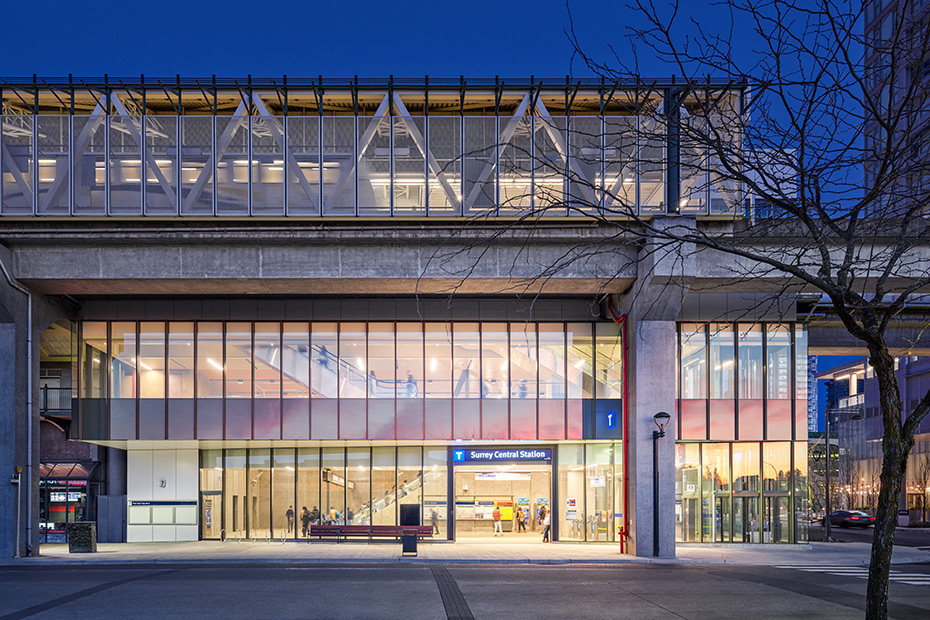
861 572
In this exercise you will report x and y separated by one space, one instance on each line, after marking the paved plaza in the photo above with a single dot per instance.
474 550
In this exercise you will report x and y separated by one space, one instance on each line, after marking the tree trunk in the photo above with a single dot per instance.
883 536
894 460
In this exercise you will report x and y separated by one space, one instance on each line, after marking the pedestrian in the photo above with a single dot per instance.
434 520
521 520
290 518
496 515
546 528
411 386
324 357
304 521
315 516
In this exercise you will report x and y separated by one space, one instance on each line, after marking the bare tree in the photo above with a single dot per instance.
806 148
847 210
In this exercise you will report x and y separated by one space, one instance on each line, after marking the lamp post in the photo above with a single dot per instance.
826 516
661 419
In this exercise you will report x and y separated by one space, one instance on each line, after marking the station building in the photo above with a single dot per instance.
224 300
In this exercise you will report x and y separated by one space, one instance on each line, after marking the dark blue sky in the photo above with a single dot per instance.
336 39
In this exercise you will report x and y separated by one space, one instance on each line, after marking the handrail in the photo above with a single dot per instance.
55 398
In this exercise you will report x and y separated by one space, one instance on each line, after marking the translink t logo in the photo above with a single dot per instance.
458 455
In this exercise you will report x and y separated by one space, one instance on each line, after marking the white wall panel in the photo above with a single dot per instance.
188 472
164 472
139 474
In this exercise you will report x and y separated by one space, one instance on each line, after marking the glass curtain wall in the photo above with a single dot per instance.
348 154
272 380
748 492
736 381
262 493
740 388
590 491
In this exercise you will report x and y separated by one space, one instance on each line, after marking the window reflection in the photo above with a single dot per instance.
324 345
495 366
258 380
693 366
609 361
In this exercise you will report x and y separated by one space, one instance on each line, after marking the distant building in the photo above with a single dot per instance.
855 420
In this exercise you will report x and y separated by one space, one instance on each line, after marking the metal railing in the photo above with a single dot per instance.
55 399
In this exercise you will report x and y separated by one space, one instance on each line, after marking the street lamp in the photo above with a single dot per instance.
661 419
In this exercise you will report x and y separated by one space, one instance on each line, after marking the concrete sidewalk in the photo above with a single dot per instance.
490 551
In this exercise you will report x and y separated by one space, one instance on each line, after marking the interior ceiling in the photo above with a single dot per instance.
55 343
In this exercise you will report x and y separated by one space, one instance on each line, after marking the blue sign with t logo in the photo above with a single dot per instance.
608 419
458 455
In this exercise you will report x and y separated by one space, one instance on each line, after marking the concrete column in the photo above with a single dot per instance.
12 445
652 306
651 388
17 447
14 428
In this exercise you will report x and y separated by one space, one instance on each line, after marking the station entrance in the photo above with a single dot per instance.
517 483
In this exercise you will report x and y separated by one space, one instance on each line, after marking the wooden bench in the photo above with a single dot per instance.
396 531
341 532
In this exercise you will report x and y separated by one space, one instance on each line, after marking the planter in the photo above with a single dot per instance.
82 537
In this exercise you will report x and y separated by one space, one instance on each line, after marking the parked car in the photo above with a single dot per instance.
851 518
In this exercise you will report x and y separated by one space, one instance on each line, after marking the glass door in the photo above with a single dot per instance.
717 526
775 524
746 519
211 515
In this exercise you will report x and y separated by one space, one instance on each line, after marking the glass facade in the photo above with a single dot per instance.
269 380
741 460
743 492
344 151
291 489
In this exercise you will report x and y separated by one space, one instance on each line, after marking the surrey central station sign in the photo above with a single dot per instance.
517 454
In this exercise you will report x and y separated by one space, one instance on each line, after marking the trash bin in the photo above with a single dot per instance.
408 542
82 537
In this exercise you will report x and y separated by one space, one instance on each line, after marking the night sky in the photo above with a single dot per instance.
479 38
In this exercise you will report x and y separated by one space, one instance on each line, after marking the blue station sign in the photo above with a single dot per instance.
460 455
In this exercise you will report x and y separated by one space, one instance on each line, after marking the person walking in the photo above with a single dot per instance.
290 518
521 520
315 516
496 515
546 522
434 520
304 521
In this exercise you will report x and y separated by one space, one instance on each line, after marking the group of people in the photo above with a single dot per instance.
542 517
306 518
314 517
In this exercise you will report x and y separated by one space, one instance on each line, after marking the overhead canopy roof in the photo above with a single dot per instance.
67 470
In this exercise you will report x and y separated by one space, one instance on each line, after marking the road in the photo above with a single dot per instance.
432 591
902 536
